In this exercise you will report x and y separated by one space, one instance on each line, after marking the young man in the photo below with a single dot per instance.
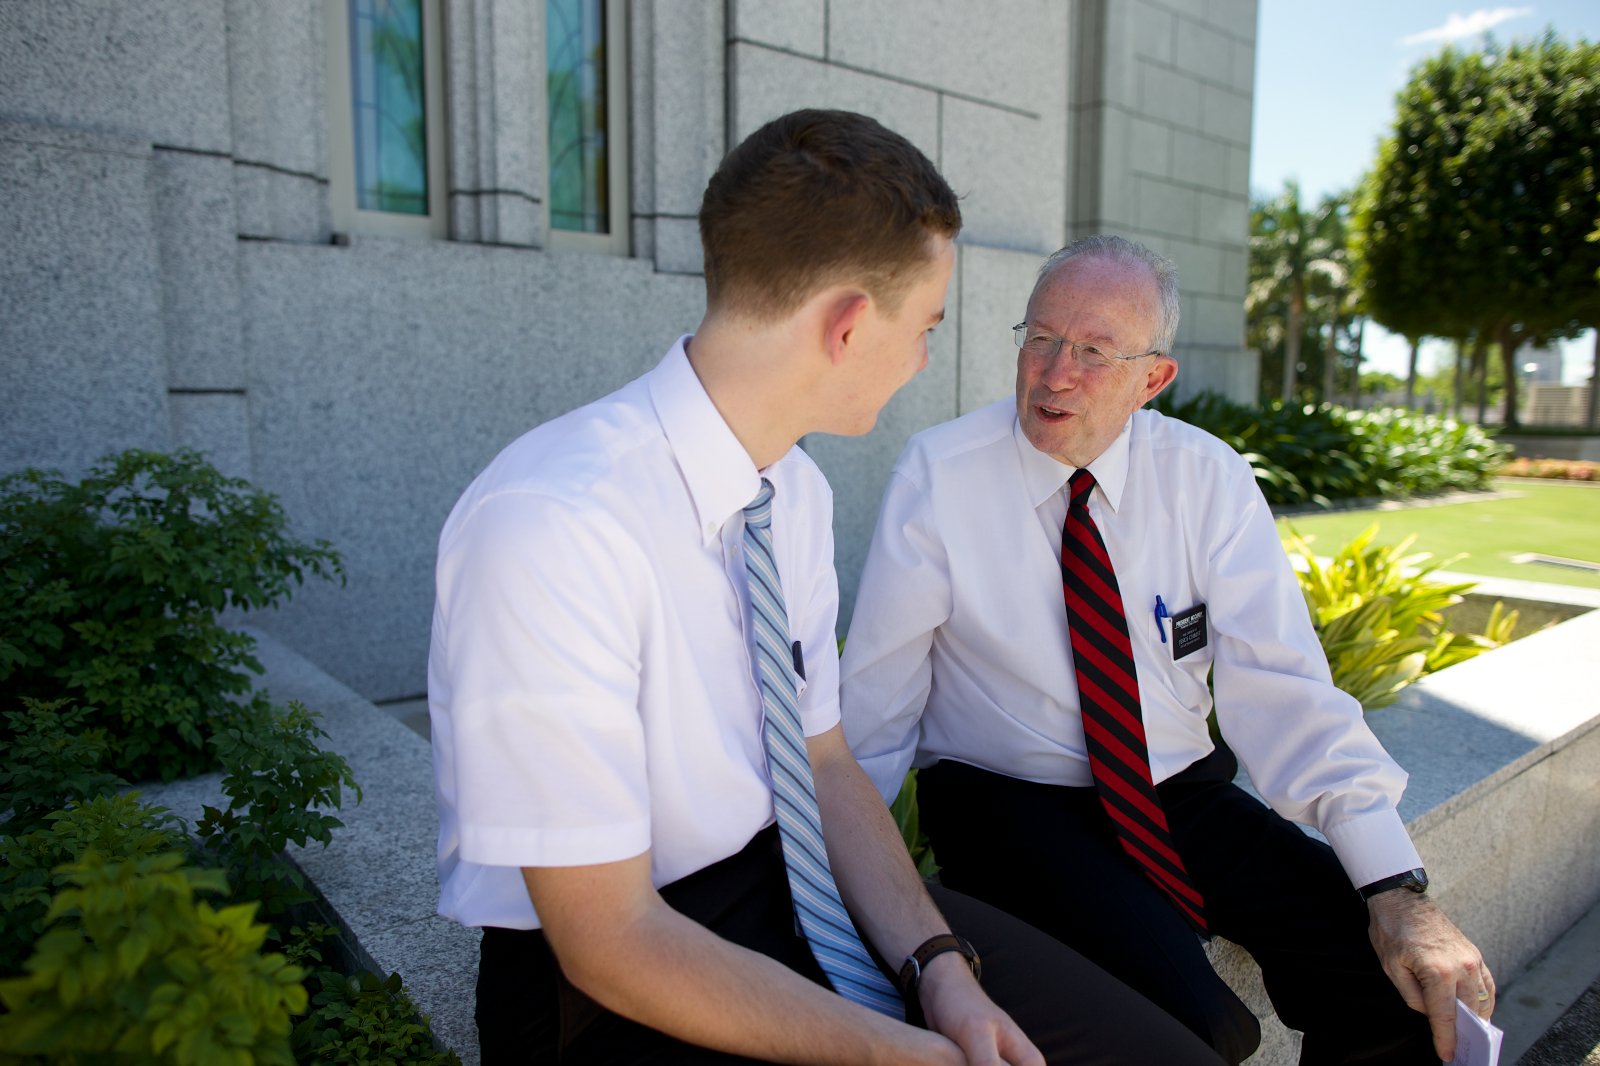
1051 582
645 797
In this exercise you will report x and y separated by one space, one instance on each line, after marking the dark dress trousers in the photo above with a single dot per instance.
1047 854
1071 1009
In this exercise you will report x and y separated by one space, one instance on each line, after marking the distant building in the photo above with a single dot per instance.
1539 365
353 248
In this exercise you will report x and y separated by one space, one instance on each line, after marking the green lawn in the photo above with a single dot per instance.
1553 519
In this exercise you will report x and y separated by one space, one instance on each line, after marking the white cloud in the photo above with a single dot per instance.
1458 26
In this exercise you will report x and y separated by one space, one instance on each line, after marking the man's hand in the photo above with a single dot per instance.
887 899
955 1006
1430 961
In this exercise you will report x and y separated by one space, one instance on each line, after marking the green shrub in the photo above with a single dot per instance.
276 779
1377 614
1414 453
47 765
135 970
364 1018
1320 453
33 865
109 590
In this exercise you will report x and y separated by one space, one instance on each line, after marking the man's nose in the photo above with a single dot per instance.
1062 371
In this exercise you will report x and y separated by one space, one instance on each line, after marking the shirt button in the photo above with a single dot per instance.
710 529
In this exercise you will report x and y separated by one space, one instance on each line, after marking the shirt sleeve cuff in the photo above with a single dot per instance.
508 846
1373 846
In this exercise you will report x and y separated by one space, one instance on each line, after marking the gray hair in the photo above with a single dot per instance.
1122 250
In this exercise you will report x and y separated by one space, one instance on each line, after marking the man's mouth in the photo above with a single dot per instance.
1047 413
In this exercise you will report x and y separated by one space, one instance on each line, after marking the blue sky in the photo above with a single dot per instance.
1326 76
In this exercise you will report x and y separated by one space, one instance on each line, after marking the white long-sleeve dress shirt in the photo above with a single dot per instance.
959 646
591 684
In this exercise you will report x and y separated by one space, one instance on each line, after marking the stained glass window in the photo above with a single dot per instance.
386 91
575 54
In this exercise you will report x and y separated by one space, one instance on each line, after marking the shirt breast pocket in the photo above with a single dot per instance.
1182 639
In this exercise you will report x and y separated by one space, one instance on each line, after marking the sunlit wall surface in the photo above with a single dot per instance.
575 52
386 90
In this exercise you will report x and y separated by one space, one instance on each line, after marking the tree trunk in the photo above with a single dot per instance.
1461 378
1594 383
1355 387
1508 365
1291 343
1480 370
1331 360
1411 373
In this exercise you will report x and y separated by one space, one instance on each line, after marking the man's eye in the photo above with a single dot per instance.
1094 350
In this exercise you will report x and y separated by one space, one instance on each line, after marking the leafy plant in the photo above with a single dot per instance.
109 590
32 864
1412 453
1371 657
1451 648
301 946
136 970
1378 616
277 778
47 765
904 809
365 1019
1320 453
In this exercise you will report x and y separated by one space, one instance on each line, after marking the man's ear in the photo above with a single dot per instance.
1163 370
847 312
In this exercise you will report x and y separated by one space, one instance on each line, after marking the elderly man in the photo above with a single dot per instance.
1051 584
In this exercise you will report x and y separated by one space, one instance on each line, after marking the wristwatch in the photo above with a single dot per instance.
934 946
1415 880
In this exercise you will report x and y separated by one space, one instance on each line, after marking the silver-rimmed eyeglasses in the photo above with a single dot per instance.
1043 344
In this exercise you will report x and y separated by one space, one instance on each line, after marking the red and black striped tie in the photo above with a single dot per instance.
1108 693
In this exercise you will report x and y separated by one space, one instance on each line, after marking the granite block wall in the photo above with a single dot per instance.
384 375
81 358
1161 107
168 278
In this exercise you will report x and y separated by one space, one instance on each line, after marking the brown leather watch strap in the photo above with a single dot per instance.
931 948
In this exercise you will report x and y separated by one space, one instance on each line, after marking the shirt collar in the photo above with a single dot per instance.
720 474
1044 475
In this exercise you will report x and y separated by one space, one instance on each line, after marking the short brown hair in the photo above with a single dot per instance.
815 198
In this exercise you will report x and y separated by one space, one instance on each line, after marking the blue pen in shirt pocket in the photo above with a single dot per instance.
1161 612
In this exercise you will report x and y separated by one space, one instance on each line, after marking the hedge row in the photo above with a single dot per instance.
1318 453
1555 469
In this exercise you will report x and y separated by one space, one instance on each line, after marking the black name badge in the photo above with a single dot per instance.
1189 631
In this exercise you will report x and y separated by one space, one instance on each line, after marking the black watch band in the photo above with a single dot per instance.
931 948
1415 880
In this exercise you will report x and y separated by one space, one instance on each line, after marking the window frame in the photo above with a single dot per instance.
618 132
343 213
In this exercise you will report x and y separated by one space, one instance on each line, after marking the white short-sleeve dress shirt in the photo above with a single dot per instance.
959 646
590 680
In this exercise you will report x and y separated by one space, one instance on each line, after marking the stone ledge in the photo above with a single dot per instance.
1504 804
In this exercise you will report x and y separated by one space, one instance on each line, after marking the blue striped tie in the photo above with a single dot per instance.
821 913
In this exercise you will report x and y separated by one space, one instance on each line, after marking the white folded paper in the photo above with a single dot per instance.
1477 1042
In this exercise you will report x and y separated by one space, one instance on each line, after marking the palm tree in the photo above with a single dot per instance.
1297 256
